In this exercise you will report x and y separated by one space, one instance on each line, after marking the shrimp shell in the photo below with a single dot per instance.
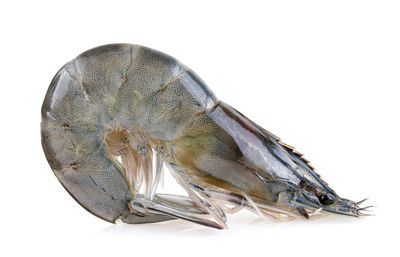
112 118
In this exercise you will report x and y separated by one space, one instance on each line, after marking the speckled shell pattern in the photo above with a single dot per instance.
129 102
139 89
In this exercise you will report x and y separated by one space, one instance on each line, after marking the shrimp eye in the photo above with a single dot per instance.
327 199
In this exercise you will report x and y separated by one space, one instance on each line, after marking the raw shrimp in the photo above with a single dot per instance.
117 113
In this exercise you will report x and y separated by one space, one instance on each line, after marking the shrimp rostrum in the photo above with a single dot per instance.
117 114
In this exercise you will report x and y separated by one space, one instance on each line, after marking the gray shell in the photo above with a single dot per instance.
132 102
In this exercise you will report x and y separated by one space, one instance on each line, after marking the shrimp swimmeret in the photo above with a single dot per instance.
117 113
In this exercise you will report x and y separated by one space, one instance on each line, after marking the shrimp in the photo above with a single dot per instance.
117 114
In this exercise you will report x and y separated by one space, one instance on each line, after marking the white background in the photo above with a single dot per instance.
322 75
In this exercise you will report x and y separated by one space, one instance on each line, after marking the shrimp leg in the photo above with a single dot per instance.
173 206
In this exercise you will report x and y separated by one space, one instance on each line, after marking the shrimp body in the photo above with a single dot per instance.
115 114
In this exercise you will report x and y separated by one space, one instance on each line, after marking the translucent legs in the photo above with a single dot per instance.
141 162
174 206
